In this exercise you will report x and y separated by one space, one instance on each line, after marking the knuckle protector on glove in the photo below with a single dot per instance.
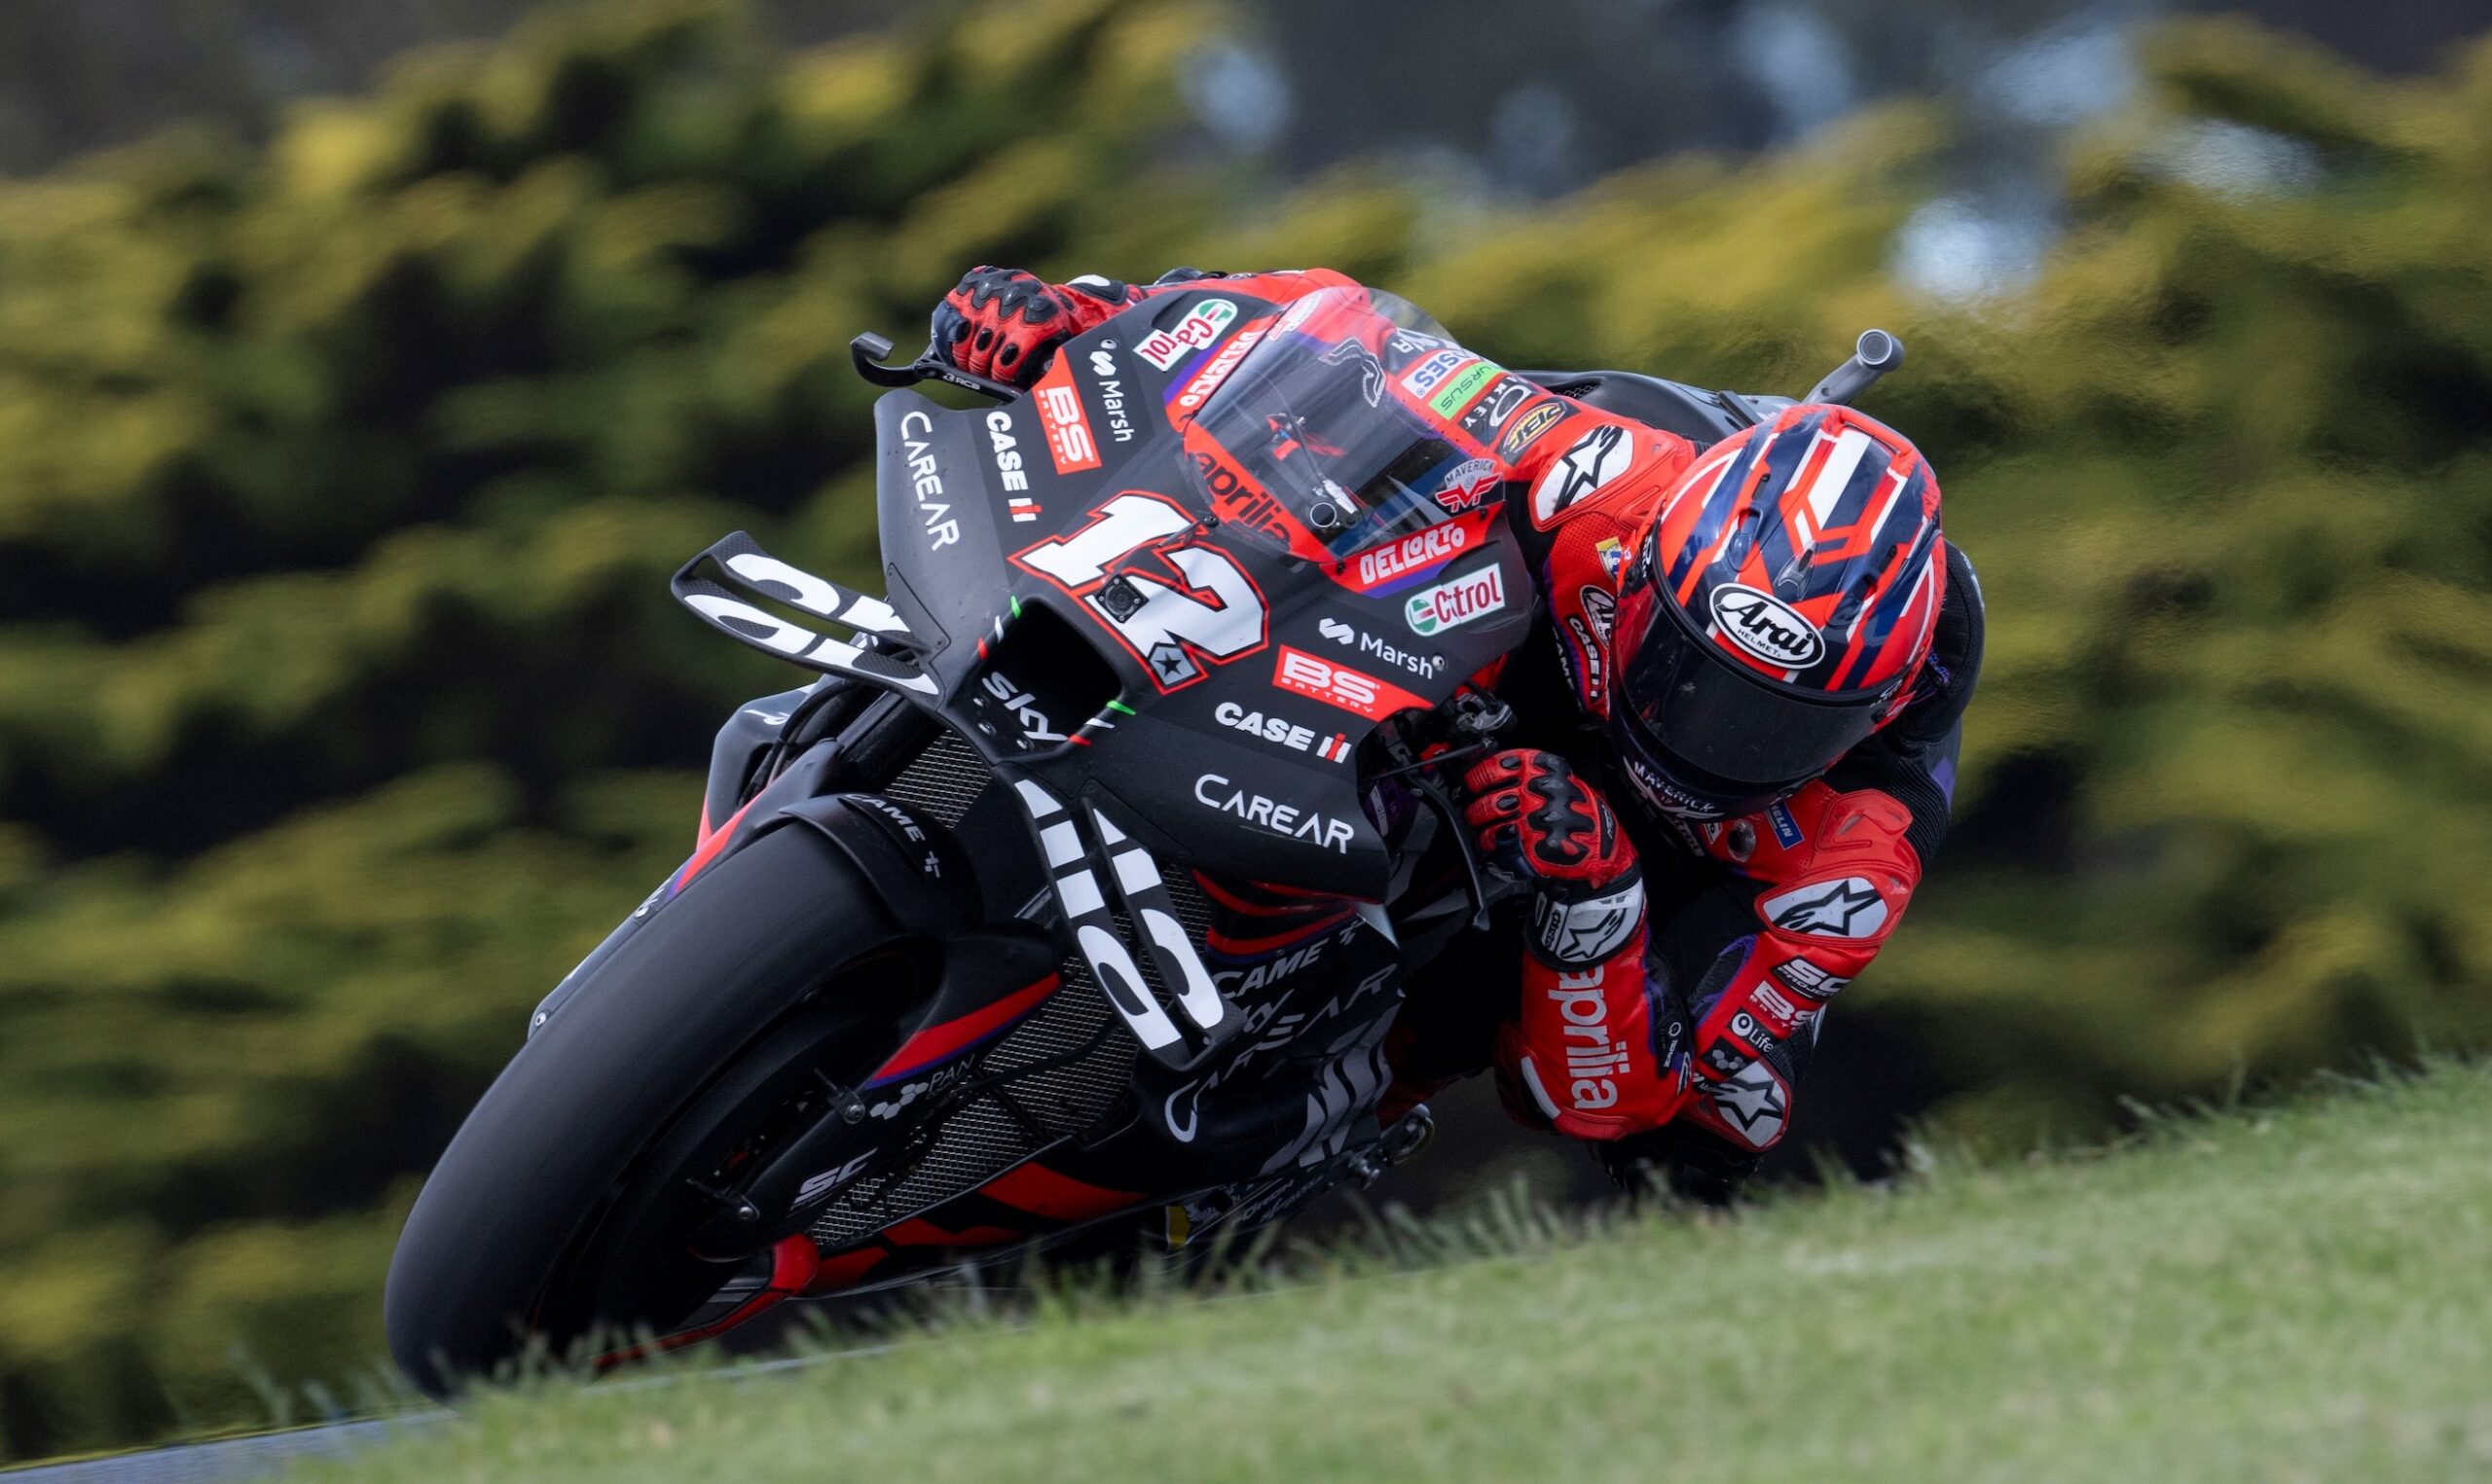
1570 931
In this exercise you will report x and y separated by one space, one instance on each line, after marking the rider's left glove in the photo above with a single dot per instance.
1581 1055
1552 831
1003 323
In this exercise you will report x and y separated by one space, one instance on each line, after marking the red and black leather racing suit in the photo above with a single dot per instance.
1672 973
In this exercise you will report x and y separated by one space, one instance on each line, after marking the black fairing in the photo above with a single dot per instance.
946 549
1124 783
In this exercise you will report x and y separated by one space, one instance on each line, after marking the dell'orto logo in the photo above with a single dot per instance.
1766 627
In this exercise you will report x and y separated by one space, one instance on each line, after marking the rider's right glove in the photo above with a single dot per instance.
1582 1046
1002 322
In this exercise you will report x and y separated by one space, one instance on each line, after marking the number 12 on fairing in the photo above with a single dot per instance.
1217 614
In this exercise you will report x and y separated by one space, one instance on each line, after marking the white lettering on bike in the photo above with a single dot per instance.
1213 790
1335 748
926 482
1008 456
831 1180
1216 615
1423 549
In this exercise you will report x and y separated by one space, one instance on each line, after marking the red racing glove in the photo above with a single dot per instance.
1003 322
1581 1053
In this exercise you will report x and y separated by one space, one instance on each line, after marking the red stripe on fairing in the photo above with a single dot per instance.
847 1268
1310 901
1043 1192
795 1266
941 1043
711 844
1228 945
918 1232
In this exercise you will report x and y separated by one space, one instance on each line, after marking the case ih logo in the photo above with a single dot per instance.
1069 440
1457 601
1164 349
1338 685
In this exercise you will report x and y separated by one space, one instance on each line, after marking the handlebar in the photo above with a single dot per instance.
869 352
1876 353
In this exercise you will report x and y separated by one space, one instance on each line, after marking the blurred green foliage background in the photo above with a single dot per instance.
342 705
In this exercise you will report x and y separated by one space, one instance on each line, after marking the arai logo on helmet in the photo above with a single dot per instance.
1766 627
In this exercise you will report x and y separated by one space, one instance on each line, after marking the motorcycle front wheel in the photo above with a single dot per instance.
560 1213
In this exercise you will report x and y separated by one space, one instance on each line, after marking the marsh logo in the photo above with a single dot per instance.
1766 627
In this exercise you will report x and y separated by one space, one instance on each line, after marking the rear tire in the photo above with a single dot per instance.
509 1248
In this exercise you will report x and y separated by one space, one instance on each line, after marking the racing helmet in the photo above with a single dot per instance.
1776 613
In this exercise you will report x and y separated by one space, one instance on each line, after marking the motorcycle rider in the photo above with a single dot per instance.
1761 649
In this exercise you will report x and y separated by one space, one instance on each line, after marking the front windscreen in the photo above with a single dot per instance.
1307 422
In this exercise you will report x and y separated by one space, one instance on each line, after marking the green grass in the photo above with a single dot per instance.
2298 1292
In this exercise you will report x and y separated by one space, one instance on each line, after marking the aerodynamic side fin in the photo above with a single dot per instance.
882 653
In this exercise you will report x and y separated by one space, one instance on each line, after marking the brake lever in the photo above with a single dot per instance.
872 351
1433 794
1482 716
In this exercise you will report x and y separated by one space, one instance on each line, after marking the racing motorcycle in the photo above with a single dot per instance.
1070 901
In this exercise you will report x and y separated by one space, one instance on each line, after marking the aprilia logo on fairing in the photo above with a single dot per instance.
1766 627
926 482
1202 326
1213 790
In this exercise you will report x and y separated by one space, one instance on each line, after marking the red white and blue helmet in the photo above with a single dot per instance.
1778 612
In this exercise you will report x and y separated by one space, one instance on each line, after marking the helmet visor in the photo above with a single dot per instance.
1706 716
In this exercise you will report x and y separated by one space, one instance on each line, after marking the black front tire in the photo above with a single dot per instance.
487 1267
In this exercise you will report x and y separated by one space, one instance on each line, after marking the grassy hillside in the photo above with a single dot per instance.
2294 1293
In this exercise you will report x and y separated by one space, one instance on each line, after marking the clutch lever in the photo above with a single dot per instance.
871 353
1480 717
1433 794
